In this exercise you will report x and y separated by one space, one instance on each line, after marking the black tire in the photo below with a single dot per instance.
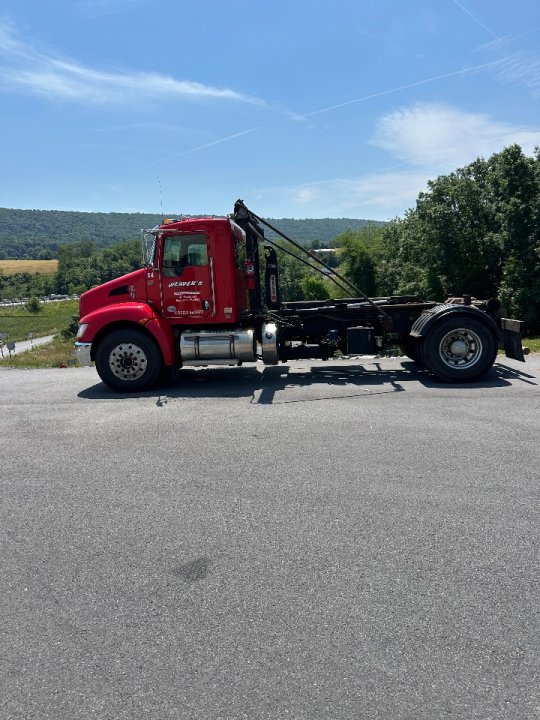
409 347
459 349
128 361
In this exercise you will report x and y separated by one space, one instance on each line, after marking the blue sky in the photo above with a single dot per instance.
303 108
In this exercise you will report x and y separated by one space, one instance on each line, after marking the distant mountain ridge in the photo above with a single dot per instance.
36 234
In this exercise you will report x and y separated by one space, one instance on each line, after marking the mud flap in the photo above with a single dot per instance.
511 338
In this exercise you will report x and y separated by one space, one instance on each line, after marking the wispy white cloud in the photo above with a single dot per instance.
519 67
443 137
25 69
9 45
428 140
378 196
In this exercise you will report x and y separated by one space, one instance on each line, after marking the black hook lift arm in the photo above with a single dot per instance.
241 210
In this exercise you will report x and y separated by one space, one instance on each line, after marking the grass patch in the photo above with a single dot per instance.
51 319
532 343
42 267
59 353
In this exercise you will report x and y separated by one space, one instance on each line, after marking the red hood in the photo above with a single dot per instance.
127 288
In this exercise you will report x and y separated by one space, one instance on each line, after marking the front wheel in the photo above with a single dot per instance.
128 361
458 349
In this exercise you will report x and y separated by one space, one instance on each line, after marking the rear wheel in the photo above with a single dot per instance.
128 361
458 349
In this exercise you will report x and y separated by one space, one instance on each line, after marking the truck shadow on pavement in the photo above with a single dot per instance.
282 384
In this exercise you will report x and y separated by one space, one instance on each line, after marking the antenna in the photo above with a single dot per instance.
160 195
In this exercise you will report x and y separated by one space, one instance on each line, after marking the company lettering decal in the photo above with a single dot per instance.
187 283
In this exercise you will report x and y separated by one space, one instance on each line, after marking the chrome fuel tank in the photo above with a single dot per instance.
204 347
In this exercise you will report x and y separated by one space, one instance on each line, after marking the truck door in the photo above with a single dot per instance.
187 278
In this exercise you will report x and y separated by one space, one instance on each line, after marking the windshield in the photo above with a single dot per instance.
149 246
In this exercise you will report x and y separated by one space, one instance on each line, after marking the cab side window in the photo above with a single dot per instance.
181 251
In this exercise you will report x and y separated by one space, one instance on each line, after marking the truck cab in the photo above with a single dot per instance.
196 273
193 289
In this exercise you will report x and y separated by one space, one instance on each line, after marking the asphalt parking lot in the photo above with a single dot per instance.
349 539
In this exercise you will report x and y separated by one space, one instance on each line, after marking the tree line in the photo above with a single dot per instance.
38 234
475 231
81 265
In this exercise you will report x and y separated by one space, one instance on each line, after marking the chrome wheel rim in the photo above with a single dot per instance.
128 361
460 348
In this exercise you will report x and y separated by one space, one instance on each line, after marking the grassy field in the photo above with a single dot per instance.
44 267
51 319
59 353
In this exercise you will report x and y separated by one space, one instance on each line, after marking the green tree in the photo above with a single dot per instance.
359 252
474 231
315 288
291 275
33 305
515 182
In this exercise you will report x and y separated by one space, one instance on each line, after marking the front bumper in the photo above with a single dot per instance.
82 351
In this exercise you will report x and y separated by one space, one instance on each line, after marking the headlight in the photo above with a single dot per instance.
81 330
